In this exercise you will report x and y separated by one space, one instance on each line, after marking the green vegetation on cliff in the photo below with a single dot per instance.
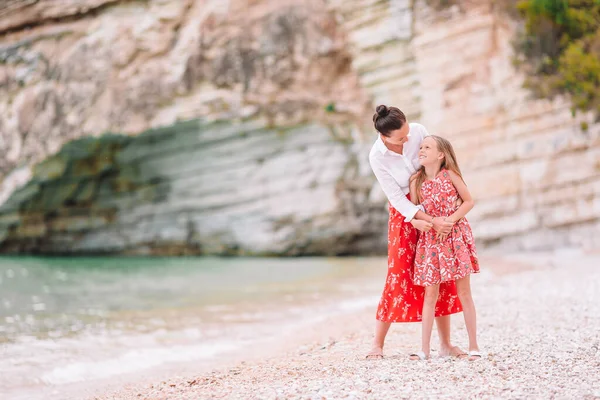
560 50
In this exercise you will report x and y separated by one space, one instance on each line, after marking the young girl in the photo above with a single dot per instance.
438 186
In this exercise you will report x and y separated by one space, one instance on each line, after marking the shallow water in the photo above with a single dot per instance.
65 320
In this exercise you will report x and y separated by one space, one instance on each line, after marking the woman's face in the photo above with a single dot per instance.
399 136
429 153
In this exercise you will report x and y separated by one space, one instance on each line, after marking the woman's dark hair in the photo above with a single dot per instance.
387 119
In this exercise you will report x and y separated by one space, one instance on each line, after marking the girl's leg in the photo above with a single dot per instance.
463 287
431 296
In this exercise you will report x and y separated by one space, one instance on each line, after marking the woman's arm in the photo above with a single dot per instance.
413 189
393 191
465 195
421 220
398 199
440 225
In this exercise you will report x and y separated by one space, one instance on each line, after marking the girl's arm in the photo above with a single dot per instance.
465 195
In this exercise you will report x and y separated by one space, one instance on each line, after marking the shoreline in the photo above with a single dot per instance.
535 345
162 325
225 330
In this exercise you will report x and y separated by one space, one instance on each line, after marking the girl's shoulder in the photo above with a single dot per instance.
449 175
444 178
444 174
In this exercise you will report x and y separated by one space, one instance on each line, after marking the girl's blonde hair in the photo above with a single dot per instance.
449 162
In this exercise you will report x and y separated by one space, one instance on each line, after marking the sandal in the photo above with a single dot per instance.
374 355
474 353
455 352
421 356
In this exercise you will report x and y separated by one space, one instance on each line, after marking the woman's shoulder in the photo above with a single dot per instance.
376 153
418 126
417 132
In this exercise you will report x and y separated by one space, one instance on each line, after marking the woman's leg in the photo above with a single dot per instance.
381 330
446 347
443 327
463 288
431 296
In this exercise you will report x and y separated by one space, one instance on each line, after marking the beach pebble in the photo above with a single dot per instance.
537 338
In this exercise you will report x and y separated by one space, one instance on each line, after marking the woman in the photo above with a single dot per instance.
394 158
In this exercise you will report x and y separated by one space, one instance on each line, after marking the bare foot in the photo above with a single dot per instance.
376 353
454 352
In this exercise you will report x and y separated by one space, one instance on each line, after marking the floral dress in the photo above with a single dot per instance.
401 300
454 258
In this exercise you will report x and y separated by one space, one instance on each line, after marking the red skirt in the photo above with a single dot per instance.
401 300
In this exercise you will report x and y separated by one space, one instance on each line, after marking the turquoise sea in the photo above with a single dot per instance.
71 320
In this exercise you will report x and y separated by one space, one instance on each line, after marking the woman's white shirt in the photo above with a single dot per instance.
394 170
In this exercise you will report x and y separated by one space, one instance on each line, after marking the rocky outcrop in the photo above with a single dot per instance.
244 126
196 188
127 66
533 168
269 169
20 14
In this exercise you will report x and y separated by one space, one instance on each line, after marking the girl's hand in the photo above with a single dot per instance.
421 225
442 226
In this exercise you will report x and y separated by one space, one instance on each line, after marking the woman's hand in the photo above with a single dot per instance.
442 237
421 225
442 226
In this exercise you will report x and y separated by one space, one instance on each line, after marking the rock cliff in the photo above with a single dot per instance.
533 170
265 164
243 127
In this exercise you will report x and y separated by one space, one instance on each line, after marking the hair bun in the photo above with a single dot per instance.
382 110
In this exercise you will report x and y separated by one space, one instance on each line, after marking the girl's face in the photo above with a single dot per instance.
429 153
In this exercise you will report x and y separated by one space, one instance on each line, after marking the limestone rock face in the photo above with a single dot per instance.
243 127
265 164
197 188
19 14
534 173
88 67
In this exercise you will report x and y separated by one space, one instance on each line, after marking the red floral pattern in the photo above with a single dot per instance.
451 259
401 300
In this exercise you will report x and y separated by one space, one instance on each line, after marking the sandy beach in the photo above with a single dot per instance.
538 320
